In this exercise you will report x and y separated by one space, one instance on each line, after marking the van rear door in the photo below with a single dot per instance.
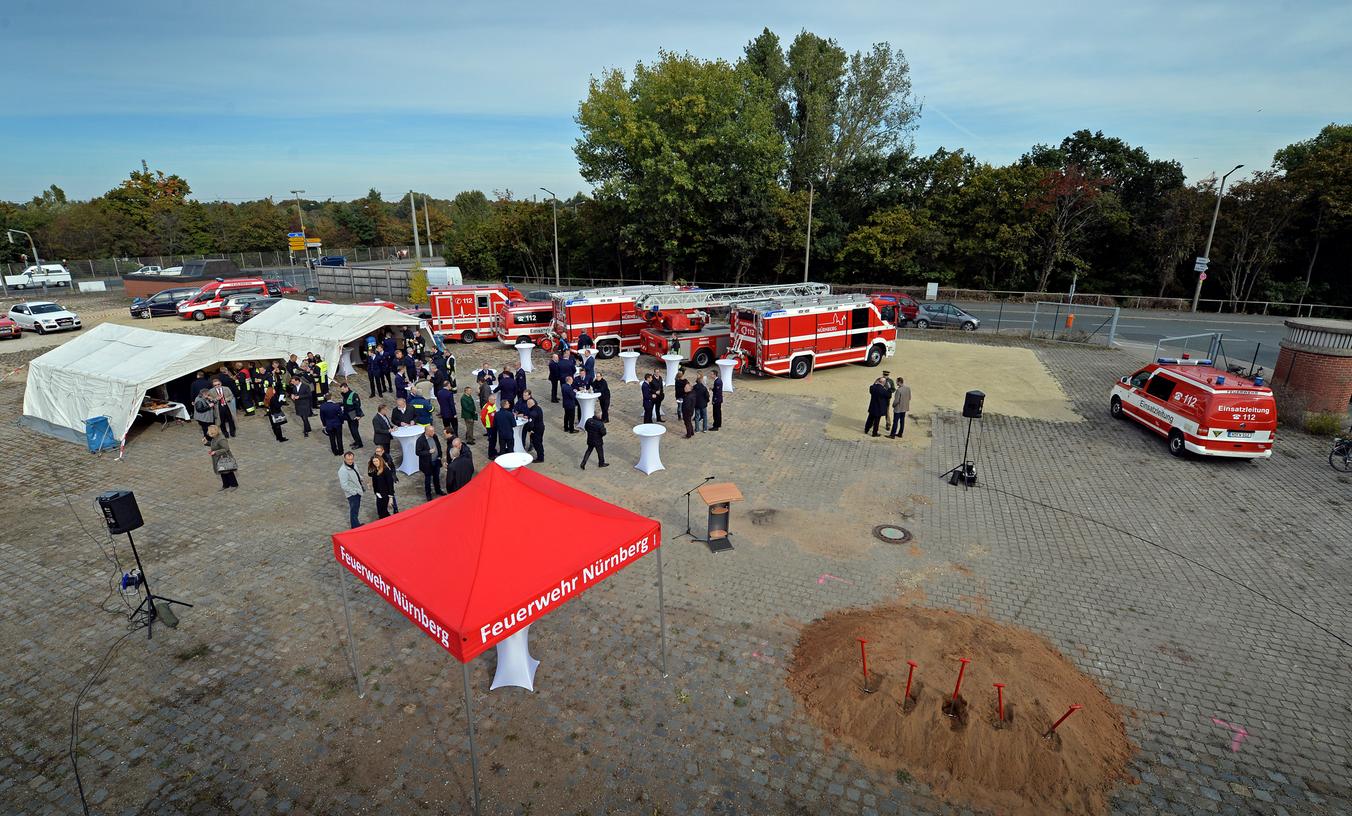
1242 415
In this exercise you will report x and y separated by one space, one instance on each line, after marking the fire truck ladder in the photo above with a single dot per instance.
612 291
704 298
770 304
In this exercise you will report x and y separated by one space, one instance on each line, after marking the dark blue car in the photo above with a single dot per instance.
161 303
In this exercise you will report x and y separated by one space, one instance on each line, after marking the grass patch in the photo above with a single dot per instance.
1329 425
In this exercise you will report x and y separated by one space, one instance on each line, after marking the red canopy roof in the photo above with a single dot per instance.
508 548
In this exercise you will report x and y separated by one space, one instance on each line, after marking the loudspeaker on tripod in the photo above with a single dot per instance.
120 511
972 404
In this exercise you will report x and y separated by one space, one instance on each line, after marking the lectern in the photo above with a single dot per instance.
719 496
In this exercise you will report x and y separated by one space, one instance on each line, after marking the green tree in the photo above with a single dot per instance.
1320 169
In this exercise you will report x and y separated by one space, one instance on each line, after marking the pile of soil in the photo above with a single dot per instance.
972 758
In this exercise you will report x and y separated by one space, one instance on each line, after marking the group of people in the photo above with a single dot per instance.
693 400
888 399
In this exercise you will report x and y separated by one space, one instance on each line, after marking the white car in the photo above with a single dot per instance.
33 276
43 316
235 304
147 270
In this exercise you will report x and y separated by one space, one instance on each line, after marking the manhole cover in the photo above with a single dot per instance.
891 534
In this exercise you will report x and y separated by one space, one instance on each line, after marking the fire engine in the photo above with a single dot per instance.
1199 408
677 322
794 336
527 320
467 312
606 315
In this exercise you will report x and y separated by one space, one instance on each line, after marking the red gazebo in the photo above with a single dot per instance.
480 565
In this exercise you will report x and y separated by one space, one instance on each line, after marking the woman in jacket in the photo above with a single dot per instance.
204 412
382 484
272 400
219 447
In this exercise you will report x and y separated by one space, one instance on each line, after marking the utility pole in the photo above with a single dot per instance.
1206 253
417 242
304 239
807 251
428 224
554 205
37 262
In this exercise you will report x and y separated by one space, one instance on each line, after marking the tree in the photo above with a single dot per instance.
1258 211
1069 200
877 111
1321 171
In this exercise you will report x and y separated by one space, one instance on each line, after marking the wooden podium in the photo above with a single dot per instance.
719 497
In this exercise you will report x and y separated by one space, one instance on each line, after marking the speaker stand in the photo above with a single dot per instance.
964 472
687 493
145 611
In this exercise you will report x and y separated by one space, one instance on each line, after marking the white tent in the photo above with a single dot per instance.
297 327
107 370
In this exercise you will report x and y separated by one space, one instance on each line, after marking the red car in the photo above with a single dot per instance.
9 329
277 288
905 310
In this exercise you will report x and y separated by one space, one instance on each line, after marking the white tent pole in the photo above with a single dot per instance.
347 615
473 751
661 612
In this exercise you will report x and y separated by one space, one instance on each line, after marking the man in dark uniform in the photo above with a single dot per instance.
461 467
584 340
504 425
374 363
658 395
331 417
446 407
570 407
248 398
429 449
555 377
436 376
600 386
596 432
410 368
536 415
588 369
717 401
520 381
647 389
390 345
877 405
507 385
302 397
352 412
199 384
292 364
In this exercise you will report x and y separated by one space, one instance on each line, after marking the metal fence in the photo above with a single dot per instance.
112 268
363 282
1077 323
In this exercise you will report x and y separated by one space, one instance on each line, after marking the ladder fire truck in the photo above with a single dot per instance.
794 336
606 315
678 323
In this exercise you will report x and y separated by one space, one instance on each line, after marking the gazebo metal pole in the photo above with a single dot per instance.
347 616
661 612
473 751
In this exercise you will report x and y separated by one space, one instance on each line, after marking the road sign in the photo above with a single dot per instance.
1200 264
1203 276
313 242
297 244
295 235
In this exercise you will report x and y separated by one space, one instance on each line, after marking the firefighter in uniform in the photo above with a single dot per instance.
486 417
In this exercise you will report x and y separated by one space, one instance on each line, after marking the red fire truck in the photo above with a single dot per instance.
606 315
467 312
679 324
794 336
525 320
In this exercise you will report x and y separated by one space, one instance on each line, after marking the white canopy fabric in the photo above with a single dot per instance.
107 370
297 327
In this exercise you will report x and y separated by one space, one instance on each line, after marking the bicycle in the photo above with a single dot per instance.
1340 458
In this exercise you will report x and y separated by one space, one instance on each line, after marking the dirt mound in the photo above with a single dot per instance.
963 752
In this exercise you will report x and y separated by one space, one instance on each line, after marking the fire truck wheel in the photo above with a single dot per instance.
1176 445
607 349
467 337
922 323
800 368
875 356
703 358
546 344
1116 409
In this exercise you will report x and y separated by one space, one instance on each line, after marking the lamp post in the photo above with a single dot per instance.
807 251
554 205
37 262
301 215
1206 253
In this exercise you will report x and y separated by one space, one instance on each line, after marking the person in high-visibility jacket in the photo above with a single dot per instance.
246 395
422 409
321 368
486 417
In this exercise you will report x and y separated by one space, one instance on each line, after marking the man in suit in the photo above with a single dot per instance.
469 412
647 389
600 386
717 401
507 385
596 433
199 384
223 399
429 450
446 408
331 417
588 367
400 385
390 345
352 412
555 376
584 340
699 395
570 407
401 415
374 362
536 428
504 428
460 470
436 376
520 381
302 397
877 405
658 395
381 427
901 406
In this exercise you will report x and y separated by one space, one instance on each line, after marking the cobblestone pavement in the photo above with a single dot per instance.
249 705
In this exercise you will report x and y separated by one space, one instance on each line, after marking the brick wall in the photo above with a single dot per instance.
1323 379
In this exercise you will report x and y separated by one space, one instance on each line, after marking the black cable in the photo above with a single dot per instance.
75 710
1181 556
112 559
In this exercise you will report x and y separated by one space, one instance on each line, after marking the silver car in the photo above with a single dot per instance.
235 303
945 315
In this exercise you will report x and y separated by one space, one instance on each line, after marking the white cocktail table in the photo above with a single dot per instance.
630 359
649 458
512 461
725 367
515 665
673 362
519 445
523 350
586 401
408 440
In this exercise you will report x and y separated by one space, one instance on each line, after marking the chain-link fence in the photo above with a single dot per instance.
1074 323
111 269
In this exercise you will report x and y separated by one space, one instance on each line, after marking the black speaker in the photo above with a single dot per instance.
120 511
971 406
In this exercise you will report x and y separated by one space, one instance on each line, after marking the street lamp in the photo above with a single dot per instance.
807 252
1206 253
554 205
37 262
300 214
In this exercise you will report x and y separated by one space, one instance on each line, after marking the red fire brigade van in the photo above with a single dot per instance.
607 316
527 321
467 312
794 336
208 300
1199 408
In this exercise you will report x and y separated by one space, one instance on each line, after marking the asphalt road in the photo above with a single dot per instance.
1243 336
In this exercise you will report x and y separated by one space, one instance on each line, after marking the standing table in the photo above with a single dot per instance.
649 435
518 444
673 362
630 359
408 439
515 665
586 401
725 367
345 366
523 350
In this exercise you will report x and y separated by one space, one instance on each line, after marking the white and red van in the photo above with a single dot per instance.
467 312
208 300
525 321
1199 408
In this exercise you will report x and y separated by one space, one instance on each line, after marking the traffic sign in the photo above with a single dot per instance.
295 235
297 244
1203 276
1200 264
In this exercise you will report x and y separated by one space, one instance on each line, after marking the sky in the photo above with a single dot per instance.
247 99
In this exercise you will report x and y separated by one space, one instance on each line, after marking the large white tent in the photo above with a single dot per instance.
107 371
297 327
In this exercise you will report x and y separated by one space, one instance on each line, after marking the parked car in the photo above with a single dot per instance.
149 270
898 308
234 304
945 314
43 316
252 308
333 260
9 329
161 303
277 288
34 276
